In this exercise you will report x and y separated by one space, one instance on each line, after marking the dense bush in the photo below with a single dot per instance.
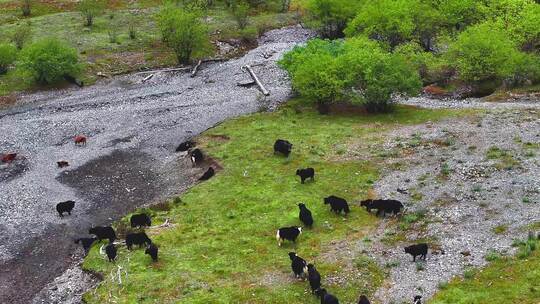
8 54
49 60
356 71
240 12
21 35
484 52
183 32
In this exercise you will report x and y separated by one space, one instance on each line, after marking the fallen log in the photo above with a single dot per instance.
245 83
146 79
164 70
256 79
196 68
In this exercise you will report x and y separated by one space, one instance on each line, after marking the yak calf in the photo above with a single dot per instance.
305 215
66 206
110 250
417 250
103 233
337 204
314 278
139 238
298 265
282 146
152 251
288 233
305 174
140 220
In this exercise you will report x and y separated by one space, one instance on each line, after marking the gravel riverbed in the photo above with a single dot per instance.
133 128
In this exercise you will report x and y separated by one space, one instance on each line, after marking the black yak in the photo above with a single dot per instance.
196 156
66 206
298 265
383 206
102 233
314 278
207 175
417 250
86 243
337 204
305 215
140 220
62 164
282 146
110 250
417 300
363 300
288 233
305 174
139 238
327 298
152 251
185 146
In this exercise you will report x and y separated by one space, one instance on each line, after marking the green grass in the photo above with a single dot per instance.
505 159
504 280
222 248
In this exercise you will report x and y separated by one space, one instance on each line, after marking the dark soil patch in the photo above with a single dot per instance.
13 170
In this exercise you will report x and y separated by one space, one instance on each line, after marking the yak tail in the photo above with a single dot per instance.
277 236
101 250
347 210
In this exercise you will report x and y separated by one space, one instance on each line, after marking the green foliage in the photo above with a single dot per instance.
240 12
525 30
49 60
21 35
357 70
484 52
458 14
8 54
90 9
26 7
330 17
184 32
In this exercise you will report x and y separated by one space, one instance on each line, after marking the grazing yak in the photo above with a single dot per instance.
327 298
185 146
139 238
110 250
80 140
66 206
363 300
288 233
8 158
208 174
298 265
62 164
282 146
314 278
305 174
337 204
86 243
383 206
417 300
196 156
305 215
102 233
140 220
417 250
152 251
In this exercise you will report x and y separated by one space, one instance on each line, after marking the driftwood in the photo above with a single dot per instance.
164 70
245 83
196 68
145 80
256 79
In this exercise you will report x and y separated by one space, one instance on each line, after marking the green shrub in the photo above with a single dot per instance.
26 7
356 70
21 35
330 17
249 34
240 13
49 60
484 52
183 32
8 54
90 9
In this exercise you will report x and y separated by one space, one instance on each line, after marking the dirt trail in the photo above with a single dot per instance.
132 129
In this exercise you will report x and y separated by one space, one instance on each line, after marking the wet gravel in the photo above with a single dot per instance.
133 128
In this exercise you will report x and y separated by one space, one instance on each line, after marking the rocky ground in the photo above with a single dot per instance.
133 127
472 184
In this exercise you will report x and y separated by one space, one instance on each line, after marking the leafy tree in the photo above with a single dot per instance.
525 30
8 54
458 14
183 32
330 17
376 76
49 60
357 70
90 9
483 52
